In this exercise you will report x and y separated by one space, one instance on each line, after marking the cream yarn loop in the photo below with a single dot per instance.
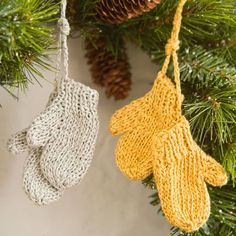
64 26
64 31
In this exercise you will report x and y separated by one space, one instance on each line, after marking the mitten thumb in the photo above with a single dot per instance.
43 126
125 118
17 143
214 173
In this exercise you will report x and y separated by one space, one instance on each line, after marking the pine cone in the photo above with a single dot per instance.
118 11
108 71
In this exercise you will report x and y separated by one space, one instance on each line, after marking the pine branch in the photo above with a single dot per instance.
209 87
25 40
206 21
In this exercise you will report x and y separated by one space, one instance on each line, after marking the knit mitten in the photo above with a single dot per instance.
67 131
138 122
181 169
36 187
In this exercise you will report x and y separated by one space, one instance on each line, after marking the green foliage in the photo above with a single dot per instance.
209 86
25 38
207 23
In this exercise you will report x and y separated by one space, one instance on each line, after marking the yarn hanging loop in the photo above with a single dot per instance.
63 54
171 49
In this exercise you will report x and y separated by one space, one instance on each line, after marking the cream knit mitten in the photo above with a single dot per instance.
35 185
61 140
67 131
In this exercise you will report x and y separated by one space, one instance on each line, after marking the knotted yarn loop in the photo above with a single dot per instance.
171 49
64 26
171 46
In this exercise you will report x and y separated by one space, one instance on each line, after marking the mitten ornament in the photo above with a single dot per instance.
67 131
35 185
138 122
61 140
181 169
156 139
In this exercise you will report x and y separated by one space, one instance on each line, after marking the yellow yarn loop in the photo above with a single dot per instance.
172 47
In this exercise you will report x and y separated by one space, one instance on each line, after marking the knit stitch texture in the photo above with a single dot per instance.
67 131
138 122
35 185
180 169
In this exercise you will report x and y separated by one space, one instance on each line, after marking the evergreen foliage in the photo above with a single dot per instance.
25 38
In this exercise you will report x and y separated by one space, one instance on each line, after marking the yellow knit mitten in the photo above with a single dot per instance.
138 122
180 169
156 139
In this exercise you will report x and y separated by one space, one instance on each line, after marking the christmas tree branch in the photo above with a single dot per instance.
25 40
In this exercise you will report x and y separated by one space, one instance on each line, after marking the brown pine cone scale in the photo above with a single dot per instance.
107 71
118 11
